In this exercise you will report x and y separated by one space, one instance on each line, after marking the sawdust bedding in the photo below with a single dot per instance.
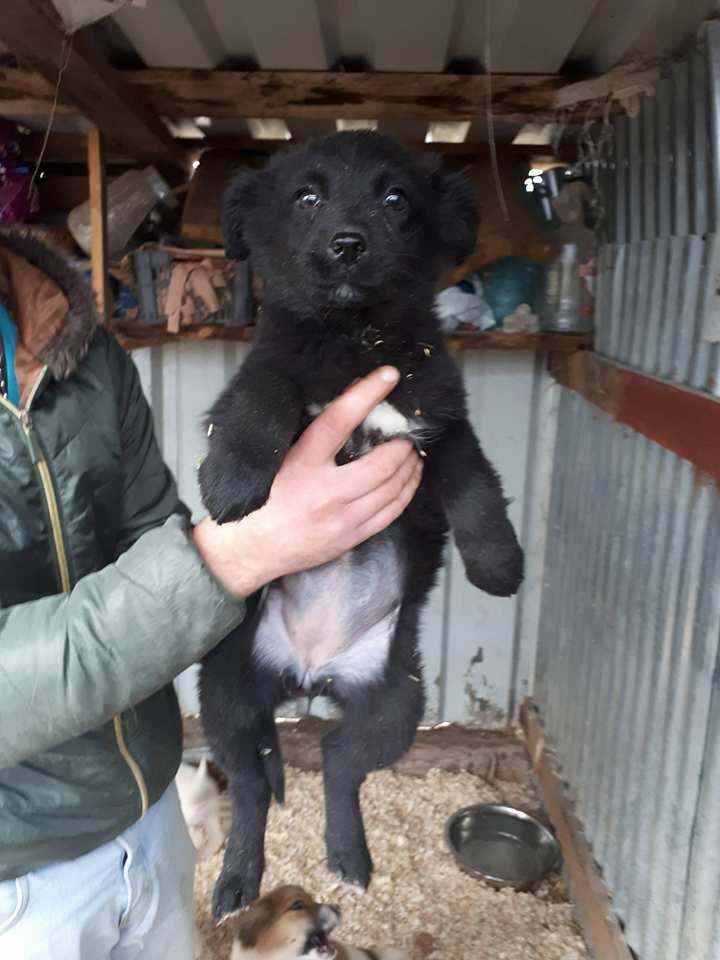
418 899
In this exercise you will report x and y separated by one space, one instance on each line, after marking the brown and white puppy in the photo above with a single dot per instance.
287 924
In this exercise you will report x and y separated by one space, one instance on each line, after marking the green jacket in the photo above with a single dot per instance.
103 598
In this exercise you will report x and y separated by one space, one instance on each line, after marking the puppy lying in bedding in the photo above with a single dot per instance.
287 924
350 235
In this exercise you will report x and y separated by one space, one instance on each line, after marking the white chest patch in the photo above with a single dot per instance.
387 420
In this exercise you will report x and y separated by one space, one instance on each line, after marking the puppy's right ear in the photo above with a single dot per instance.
251 921
238 202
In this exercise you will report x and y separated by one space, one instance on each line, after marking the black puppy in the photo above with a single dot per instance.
350 235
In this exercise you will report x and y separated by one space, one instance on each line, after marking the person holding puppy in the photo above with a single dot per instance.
107 592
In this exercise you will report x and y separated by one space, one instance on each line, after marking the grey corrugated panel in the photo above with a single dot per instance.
620 206
629 569
593 770
648 120
690 678
663 96
668 328
652 760
703 355
582 572
602 298
639 837
680 144
627 652
661 249
639 342
635 181
687 337
617 298
701 922
699 104
636 670
625 314
711 46
699 658
577 498
543 666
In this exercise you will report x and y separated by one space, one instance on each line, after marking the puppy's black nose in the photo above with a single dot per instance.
347 247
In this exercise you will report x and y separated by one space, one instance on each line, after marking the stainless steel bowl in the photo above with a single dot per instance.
502 846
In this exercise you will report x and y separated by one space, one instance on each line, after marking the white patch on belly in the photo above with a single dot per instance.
336 621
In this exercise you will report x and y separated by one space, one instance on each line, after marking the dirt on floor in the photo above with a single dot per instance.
419 900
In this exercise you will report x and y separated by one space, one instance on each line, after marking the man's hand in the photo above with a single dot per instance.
317 510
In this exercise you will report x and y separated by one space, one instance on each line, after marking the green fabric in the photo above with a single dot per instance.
142 609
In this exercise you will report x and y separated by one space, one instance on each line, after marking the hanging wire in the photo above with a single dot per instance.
65 54
489 114
594 152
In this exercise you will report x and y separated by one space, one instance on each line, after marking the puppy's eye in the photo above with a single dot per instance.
297 905
395 200
307 198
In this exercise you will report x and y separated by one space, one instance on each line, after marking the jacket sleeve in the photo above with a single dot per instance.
69 662
149 494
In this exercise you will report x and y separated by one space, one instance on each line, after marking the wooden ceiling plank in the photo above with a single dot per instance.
322 95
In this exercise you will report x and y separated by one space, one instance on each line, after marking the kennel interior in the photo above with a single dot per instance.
611 456
613 478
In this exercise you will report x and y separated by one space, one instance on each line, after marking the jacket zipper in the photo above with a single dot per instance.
46 482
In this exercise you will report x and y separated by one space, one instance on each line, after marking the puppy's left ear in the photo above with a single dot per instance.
238 202
458 216
251 921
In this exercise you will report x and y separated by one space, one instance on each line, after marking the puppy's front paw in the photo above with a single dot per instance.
495 565
351 861
233 891
231 490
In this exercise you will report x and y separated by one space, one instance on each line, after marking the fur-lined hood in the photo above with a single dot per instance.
69 338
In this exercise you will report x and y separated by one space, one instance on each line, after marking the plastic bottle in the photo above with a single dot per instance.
561 311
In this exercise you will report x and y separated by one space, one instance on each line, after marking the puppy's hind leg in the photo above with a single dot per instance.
238 704
378 726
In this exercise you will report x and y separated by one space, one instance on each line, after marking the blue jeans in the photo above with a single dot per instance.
130 898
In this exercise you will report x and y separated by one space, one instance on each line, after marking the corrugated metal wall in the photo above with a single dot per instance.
478 651
628 661
658 272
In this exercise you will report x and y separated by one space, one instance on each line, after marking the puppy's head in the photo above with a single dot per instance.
349 221
286 924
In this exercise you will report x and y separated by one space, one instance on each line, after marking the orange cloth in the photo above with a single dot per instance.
37 307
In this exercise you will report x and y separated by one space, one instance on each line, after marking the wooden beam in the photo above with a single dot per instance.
621 83
31 30
299 94
322 95
597 918
98 223
680 419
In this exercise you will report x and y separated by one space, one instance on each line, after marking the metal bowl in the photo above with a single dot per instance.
502 846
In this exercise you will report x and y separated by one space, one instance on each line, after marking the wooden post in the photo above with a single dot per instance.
98 223
590 896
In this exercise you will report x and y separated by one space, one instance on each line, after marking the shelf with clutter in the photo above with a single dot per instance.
150 242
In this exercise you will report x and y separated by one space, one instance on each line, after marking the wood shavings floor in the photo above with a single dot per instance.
417 889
